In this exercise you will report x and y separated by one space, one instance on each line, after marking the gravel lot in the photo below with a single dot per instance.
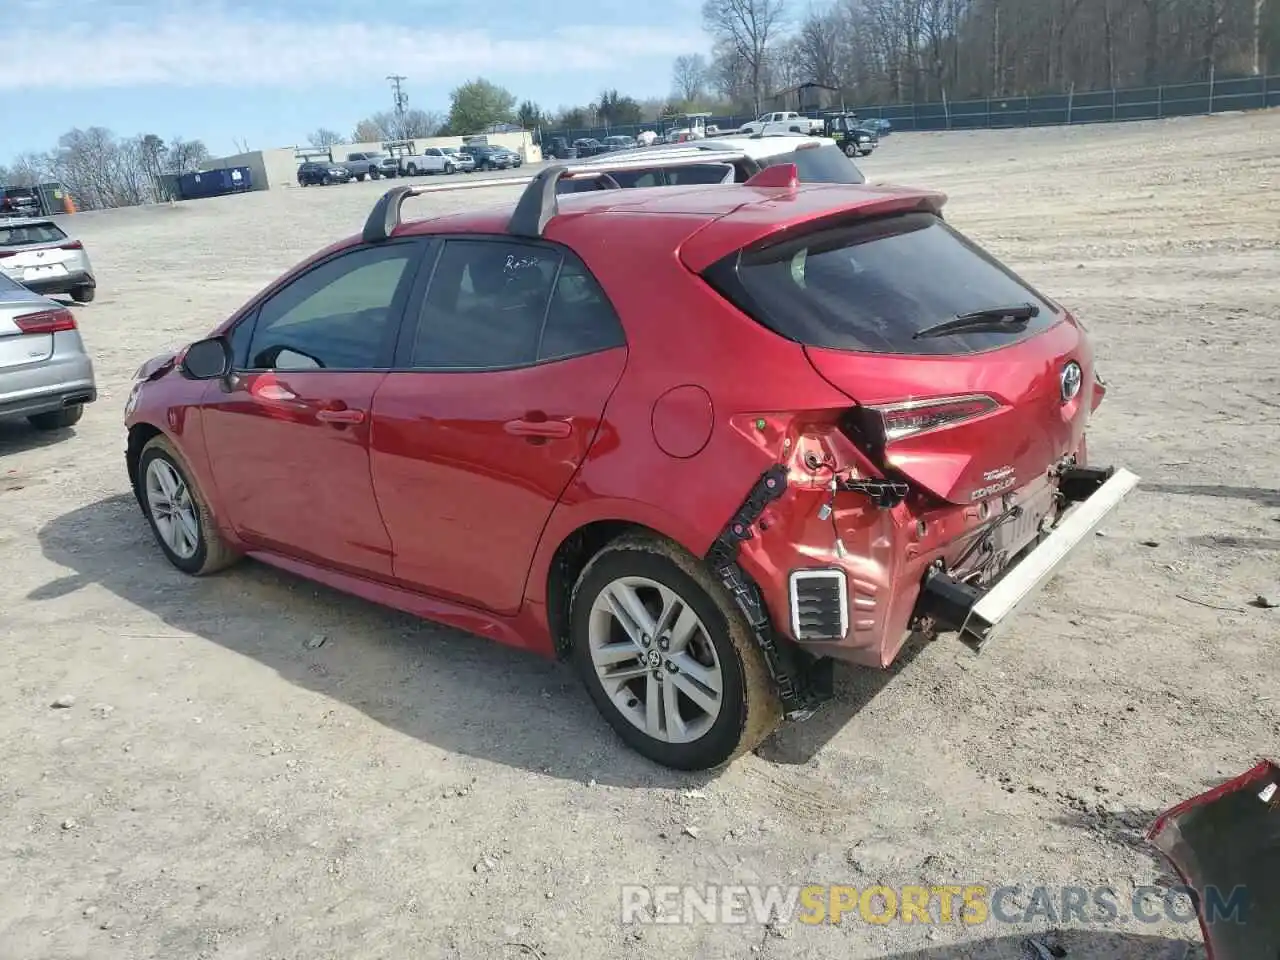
255 767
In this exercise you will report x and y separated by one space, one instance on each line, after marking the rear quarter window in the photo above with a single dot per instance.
873 285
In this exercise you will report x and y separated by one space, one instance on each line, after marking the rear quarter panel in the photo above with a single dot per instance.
679 332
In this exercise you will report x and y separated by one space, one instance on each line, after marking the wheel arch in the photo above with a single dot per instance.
140 434
567 550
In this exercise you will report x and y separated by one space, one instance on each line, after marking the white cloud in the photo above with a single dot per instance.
233 51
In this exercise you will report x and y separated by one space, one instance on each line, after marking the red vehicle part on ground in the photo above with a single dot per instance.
705 439
1225 845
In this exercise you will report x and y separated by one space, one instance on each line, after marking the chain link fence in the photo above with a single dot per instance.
1097 106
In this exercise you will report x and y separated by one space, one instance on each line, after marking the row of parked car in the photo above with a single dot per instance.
46 375
376 164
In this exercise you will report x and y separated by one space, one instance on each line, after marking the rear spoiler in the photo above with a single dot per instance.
814 207
538 203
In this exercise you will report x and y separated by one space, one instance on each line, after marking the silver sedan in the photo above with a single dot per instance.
45 373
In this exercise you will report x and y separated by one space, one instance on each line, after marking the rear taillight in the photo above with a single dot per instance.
887 423
46 321
71 245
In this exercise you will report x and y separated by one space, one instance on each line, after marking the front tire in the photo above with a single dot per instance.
450 168
373 173
178 513
57 419
668 658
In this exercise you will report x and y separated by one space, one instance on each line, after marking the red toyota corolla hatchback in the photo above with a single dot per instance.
703 440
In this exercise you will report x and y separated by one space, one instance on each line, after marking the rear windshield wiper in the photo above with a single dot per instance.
991 319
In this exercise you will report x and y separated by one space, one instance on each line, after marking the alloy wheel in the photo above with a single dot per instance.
655 660
172 508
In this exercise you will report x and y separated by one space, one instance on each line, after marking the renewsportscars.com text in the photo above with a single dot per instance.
971 904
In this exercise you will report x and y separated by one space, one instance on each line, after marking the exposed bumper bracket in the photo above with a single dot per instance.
804 681
975 613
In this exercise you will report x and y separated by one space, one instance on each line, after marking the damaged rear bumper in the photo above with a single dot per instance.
977 613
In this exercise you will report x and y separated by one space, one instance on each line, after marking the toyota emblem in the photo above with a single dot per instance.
1070 381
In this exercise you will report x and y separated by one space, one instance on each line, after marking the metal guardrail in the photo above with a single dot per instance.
1097 106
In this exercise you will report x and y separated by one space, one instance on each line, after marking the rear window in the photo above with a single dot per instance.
873 285
824 164
18 236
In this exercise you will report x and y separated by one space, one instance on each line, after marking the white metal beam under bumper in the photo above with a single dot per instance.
1035 569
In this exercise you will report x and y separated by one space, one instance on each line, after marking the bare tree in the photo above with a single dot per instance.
749 28
324 137
185 156
817 45
689 77
386 125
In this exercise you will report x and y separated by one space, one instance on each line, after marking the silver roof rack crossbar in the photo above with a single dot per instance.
537 205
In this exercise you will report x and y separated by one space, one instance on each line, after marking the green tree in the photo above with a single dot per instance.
574 118
615 109
530 115
477 104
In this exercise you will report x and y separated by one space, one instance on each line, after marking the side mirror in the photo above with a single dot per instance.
207 359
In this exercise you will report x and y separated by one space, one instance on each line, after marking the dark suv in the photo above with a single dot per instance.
323 172
559 148
487 157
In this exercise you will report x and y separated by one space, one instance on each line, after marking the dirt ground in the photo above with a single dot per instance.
255 767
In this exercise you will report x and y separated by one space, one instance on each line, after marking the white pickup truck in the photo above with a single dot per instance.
782 121
430 160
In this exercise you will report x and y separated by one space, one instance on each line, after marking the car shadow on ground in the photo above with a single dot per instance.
460 693
18 436
1064 944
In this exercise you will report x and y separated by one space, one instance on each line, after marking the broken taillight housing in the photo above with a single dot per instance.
882 424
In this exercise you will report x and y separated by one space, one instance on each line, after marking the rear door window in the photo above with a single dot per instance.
498 304
872 285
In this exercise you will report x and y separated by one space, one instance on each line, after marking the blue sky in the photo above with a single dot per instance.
269 72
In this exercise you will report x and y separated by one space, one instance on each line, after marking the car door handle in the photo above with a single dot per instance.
340 416
539 429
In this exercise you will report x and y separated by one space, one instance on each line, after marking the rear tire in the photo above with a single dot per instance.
707 644
210 553
83 293
360 177
411 170
57 419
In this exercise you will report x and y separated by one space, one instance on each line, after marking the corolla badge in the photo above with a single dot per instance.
1070 380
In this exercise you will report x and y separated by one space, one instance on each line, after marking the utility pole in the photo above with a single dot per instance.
398 95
